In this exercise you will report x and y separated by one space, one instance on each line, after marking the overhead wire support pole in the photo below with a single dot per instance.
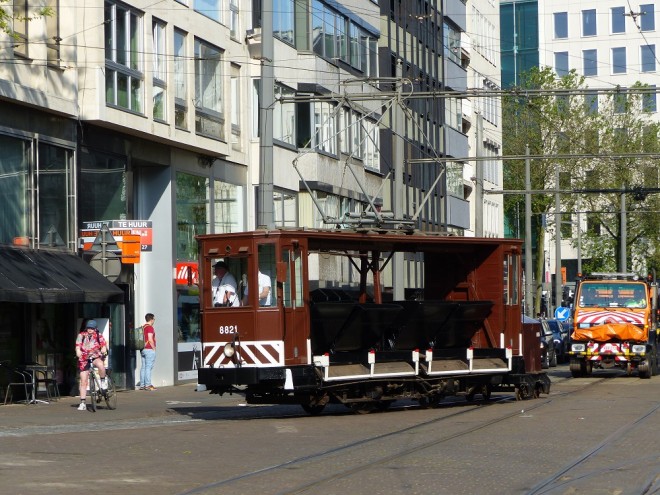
398 282
558 277
265 202
529 278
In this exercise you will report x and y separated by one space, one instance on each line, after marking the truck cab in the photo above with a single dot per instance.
614 324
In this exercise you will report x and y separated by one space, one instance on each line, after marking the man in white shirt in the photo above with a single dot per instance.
224 286
264 290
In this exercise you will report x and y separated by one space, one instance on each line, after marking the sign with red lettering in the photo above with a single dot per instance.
187 273
118 229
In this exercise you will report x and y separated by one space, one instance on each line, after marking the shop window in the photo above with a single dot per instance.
48 207
14 183
102 187
192 201
228 206
55 198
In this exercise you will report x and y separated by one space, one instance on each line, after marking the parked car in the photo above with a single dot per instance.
548 353
560 336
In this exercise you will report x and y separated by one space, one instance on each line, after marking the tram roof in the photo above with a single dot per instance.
371 239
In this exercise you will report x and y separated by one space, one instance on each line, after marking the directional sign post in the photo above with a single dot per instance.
562 313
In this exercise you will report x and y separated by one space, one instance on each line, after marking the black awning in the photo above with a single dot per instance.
51 277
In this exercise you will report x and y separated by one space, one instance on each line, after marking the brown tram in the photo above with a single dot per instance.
330 333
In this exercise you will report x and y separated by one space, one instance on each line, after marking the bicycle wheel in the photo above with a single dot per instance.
110 395
92 390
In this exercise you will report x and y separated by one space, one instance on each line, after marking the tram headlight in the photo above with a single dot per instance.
230 350
577 347
639 349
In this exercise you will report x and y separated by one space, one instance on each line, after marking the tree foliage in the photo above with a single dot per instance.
581 135
6 17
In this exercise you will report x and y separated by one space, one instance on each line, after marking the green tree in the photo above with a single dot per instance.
6 18
574 131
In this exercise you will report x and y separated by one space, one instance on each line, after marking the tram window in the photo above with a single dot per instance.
286 286
293 286
265 277
228 281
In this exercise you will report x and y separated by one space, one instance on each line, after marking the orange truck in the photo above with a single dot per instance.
615 319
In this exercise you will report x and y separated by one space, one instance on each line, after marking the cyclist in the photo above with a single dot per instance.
90 343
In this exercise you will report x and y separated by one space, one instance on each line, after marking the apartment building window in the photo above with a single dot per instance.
235 88
647 19
618 19
561 25
371 155
55 197
159 97
589 22
648 58
210 8
620 101
284 20
20 28
234 25
53 39
209 101
180 84
489 110
649 100
357 135
123 46
561 63
284 116
452 42
591 101
325 128
454 113
336 37
619 60
316 126
590 62
285 212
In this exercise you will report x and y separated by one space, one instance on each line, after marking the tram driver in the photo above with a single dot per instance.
224 286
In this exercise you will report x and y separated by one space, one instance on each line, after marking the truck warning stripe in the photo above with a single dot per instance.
602 317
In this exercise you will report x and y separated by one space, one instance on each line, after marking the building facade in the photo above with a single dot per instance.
145 119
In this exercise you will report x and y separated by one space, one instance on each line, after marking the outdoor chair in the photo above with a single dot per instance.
15 378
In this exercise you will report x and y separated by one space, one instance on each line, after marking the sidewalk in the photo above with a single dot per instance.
173 401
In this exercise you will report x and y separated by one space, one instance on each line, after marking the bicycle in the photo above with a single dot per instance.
96 393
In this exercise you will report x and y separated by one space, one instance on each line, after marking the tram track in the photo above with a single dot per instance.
324 481
562 479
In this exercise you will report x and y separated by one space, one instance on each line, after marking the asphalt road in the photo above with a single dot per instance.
596 435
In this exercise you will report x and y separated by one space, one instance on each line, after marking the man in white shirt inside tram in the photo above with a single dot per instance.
264 290
224 286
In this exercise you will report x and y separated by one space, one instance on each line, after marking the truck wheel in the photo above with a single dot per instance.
576 368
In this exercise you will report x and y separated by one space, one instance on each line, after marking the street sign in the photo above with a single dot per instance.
562 313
